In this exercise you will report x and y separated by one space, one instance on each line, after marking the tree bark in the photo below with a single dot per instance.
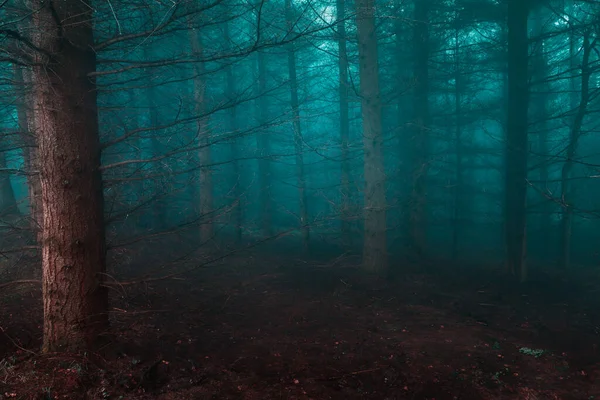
517 139
297 127
375 244
66 120
344 121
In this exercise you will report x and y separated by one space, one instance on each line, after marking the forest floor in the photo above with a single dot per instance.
280 329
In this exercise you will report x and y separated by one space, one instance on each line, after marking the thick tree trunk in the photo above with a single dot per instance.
343 88
203 133
264 151
239 204
420 162
66 122
375 244
298 140
517 139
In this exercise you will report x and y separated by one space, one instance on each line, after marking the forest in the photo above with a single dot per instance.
299 199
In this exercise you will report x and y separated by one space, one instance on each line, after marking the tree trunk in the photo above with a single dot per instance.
239 205
344 122
540 113
30 150
264 151
298 140
420 153
66 122
517 139
9 211
375 246
203 133
567 194
459 181
160 205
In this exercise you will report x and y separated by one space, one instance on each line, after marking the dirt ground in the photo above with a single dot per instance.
270 328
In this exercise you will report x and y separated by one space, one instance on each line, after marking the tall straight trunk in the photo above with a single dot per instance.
567 192
203 133
239 205
66 120
459 184
540 113
375 244
159 206
264 150
298 140
420 139
22 78
9 210
344 121
517 139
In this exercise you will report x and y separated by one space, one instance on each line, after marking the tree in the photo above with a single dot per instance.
420 140
297 127
375 245
264 149
8 204
574 136
238 208
203 134
66 122
344 121
517 149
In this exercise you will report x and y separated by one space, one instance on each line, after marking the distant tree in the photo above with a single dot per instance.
567 197
517 149
420 141
344 120
375 244
263 144
297 128
203 136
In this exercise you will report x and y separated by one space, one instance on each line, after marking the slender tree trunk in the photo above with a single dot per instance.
9 211
567 193
459 185
517 139
420 162
375 245
264 151
344 122
298 140
234 148
66 122
540 113
160 209
203 133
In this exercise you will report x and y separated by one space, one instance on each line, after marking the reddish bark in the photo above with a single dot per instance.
66 122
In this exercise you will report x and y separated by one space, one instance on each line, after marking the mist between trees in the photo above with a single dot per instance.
458 132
